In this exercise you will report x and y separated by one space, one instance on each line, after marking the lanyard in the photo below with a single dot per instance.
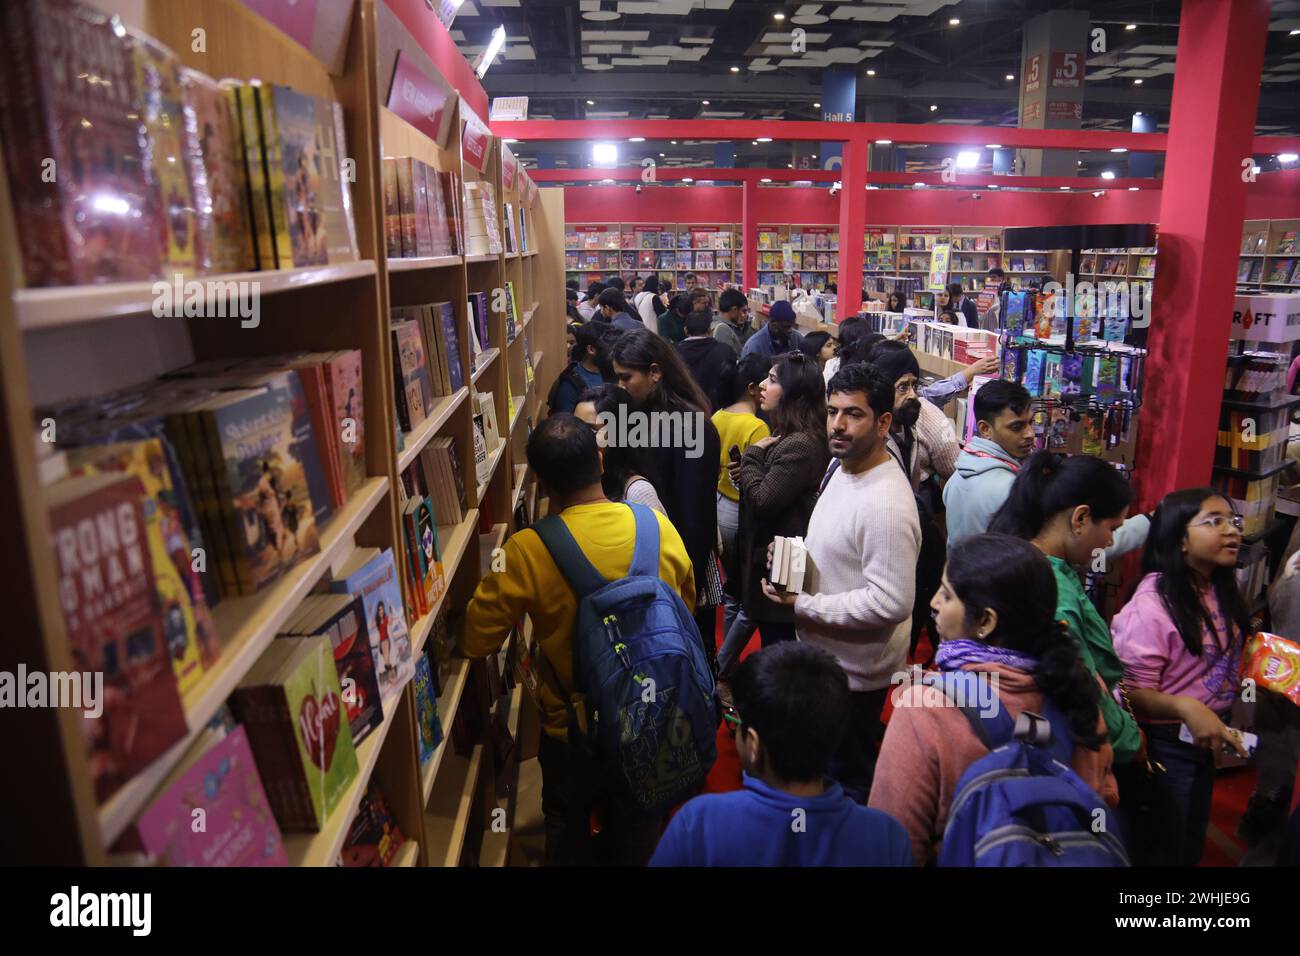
1015 469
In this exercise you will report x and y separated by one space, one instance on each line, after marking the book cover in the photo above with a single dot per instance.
426 710
343 385
278 184
392 210
377 584
439 217
415 390
262 479
188 632
1034 372
350 639
406 204
221 789
297 181
214 158
334 230
1107 378
373 838
1071 374
259 201
305 446
1281 270
446 314
478 303
158 90
453 196
98 220
110 608
423 222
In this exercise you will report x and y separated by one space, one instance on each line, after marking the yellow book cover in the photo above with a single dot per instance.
273 158
256 169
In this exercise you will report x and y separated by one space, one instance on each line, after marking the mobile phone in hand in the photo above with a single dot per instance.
734 453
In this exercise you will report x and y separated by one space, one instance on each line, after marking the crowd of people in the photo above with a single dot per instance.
979 550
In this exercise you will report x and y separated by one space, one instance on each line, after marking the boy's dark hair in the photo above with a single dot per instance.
570 293
894 360
562 450
616 282
955 290
997 273
860 377
595 289
996 397
584 336
796 697
856 341
571 284
698 322
682 304
731 299
614 299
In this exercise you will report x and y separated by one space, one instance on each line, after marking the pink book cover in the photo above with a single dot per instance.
236 826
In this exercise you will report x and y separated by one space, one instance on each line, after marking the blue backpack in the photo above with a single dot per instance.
1022 805
646 716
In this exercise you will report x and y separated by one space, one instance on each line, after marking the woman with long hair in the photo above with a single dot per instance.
995 615
818 346
896 302
779 477
1069 508
660 385
626 470
1180 638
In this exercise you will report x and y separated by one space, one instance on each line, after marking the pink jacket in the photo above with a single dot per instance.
927 749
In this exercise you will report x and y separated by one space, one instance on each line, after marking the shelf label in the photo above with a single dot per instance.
475 140
295 18
419 100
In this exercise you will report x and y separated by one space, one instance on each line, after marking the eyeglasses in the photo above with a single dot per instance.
904 387
1220 523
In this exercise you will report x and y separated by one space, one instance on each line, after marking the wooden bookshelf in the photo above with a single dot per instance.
60 343
613 259
1270 255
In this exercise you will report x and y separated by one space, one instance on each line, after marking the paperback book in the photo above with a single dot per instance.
372 575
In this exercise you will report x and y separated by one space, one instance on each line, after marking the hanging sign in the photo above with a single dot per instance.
475 139
420 100
939 266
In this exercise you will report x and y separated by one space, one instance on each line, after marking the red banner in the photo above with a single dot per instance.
419 100
474 141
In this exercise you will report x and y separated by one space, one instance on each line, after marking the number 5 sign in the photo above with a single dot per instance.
1067 69
1033 80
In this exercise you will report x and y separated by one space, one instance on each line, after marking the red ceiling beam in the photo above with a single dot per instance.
899 133
728 174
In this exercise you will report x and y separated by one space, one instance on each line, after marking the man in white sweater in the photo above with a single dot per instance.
863 541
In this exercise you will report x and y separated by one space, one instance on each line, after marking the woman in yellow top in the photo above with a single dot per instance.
739 427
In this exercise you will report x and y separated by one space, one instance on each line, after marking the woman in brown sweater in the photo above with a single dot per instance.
779 478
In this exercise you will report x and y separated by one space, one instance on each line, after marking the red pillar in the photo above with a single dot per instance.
853 226
749 230
1211 127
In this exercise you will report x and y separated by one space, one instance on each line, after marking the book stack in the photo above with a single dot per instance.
373 838
789 564
372 575
427 362
436 474
341 617
512 240
291 705
482 232
421 209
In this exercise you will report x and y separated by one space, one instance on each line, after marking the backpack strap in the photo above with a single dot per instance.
568 556
992 731
645 554
826 479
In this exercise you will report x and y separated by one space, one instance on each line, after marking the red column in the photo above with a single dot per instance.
1211 127
853 226
749 229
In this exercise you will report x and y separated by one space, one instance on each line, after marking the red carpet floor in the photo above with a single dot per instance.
1231 790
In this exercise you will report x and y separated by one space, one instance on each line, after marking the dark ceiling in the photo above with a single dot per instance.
663 59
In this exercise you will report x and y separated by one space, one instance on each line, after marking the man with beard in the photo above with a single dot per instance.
922 441
862 542
777 337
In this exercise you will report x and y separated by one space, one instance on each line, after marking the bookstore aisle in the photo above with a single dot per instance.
270 343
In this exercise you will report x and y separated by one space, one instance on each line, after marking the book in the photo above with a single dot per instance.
372 575
1281 270
98 219
373 838
487 409
410 373
453 197
392 209
478 306
291 705
301 177
342 372
445 314
341 618
420 535
215 811
188 632
439 227
158 92
109 601
423 218
512 312
244 96
1287 244
426 710
214 158
481 465
280 200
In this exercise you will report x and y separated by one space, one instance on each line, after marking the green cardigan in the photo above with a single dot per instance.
1092 638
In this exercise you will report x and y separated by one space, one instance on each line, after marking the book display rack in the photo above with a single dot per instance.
325 440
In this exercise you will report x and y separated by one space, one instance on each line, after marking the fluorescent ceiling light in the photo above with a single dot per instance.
1288 157
764 139
933 107
1011 76
687 179
992 145
1138 81
1119 149
954 21
778 16
817 106
1066 188
705 102
871 72
735 69
884 142
636 139
1130 26
1132 189
510 141
765 180
607 180
994 186
490 54
968 159
606 154
591 102
1107 174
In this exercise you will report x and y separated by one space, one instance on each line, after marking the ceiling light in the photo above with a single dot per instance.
764 139
1288 157
992 145
765 180
636 139
884 142
1119 149
674 142
661 155
1138 113
789 165
1130 26
606 154
705 102
687 179
933 107
1138 81
706 182
1066 188
1294 33
735 69
954 21
918 185
817 106
871 72
778 16
1256 170
1132 189
1107 174
753 142
591 102
490 54
994 186
1011 76
607 180
510 141
968 159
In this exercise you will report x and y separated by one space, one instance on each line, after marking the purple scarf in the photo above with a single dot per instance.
953 655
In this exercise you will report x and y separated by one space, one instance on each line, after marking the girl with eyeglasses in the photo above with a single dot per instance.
1180 638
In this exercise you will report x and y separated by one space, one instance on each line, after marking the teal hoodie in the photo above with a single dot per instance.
978 487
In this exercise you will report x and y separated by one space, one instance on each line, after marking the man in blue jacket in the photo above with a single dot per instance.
791 705
777 337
